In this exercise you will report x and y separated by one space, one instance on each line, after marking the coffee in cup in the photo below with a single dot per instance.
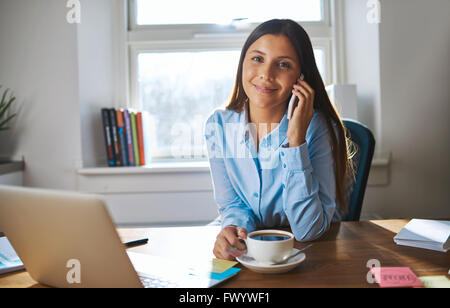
270 246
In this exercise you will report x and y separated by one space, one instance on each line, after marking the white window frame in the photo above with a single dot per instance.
209 37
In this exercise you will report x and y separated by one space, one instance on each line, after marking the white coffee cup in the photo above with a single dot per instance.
269 246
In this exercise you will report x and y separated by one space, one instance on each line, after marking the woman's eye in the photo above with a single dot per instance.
257 59
284 65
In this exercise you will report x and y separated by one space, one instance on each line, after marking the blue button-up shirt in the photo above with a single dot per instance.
277 185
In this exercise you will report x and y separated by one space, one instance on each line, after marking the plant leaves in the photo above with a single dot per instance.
3 97
4 108
6 121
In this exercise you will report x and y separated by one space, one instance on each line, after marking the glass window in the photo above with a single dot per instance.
319 55
180 89
173 12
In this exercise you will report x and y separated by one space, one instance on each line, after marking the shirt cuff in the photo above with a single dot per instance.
241 223
296 158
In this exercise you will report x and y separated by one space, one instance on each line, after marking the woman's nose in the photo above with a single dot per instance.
266 72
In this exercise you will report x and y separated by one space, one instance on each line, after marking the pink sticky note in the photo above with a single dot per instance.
395 277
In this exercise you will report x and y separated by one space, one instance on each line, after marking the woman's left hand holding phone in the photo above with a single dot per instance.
228 244
302 114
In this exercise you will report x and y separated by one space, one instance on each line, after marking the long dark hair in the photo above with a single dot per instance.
341 145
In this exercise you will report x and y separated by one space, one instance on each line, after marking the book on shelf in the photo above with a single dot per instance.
126 139
122 138
135 138
140 138
115 139
126 117
108 140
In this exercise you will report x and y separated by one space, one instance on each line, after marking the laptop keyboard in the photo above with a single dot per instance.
157 282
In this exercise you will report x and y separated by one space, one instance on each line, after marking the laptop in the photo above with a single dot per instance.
67 239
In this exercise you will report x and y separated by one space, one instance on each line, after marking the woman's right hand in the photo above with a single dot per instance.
228 245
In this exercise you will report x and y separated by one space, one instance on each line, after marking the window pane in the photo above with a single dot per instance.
180 89
169 12
319 55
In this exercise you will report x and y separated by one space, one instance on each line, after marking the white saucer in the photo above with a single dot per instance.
255 266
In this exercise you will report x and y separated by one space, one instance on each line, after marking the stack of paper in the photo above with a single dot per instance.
423 233
9 261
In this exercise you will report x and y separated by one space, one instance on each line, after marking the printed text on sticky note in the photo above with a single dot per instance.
395 277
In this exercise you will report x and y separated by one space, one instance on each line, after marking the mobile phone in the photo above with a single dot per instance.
292 101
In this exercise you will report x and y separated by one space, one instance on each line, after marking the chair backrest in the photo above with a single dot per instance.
362 161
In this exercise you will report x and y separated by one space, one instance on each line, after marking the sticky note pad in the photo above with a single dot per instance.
226 274
435 281
219 266
395 277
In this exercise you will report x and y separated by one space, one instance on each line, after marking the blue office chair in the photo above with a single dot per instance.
365 142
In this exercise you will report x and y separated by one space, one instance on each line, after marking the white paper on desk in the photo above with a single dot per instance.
424 233
9 261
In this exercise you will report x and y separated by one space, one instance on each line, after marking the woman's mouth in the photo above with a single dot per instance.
264 90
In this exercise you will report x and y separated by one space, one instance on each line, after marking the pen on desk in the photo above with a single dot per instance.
137 242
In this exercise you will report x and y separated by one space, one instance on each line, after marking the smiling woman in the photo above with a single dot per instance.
301 182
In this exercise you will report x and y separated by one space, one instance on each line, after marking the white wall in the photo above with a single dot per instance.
101 73
361 41
402 69
38 60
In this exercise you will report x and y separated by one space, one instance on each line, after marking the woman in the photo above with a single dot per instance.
269 171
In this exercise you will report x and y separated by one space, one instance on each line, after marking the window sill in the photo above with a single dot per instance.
7 166
164 177
380 170
379 161
163 167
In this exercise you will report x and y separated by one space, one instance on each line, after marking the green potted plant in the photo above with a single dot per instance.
5 105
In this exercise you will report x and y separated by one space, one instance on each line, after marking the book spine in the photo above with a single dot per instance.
112 117
122 138
108 141
135 138
129 135
140 138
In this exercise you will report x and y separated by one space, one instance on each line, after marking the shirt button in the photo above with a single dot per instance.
255 195
284 166
282 153
282 186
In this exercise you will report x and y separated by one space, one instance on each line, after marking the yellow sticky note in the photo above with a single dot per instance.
220 266
435 281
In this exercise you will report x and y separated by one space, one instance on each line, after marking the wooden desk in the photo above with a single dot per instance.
338 259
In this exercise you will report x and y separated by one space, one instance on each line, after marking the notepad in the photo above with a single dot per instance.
435 281
427 234
9 261
395 277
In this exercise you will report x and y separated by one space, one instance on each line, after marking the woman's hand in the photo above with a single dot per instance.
228 246
302 114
